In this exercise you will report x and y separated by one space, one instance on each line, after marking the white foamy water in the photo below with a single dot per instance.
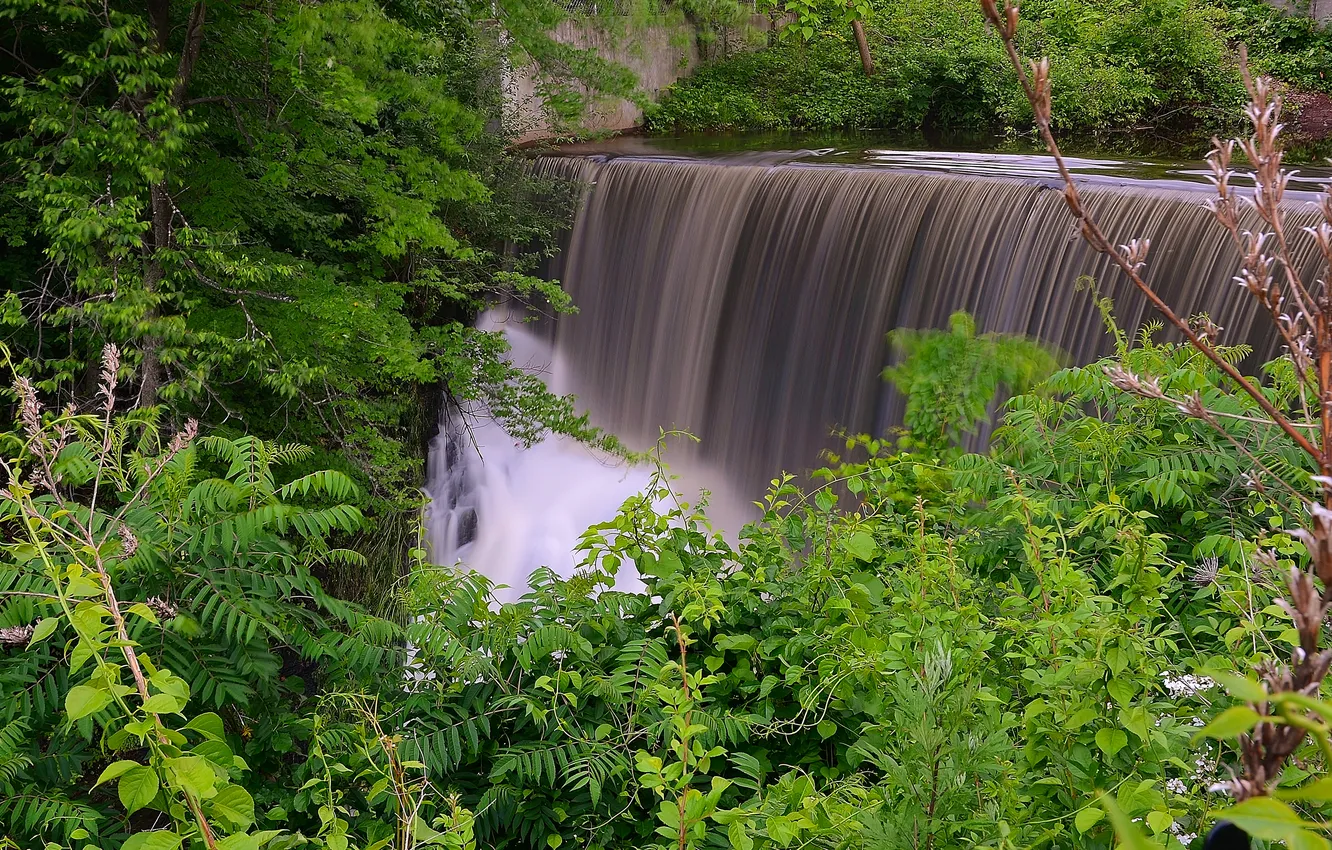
505 510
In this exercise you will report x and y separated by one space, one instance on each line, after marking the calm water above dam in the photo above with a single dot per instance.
745 296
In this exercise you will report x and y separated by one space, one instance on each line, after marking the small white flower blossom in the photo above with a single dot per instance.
1186 685
1176 786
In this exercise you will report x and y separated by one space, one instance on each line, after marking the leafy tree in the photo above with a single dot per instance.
950 378
284 214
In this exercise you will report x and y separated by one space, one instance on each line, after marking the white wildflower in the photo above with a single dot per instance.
1186 684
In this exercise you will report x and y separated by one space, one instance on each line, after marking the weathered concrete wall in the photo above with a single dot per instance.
658 54
1320 10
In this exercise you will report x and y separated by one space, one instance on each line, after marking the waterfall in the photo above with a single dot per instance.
749 305
505 509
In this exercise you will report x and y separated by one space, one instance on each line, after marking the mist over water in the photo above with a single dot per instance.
748 303
506 510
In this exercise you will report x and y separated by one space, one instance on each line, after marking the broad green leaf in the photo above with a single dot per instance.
193 774
141 610
1159 821
1240 687
83 700
1111 741
1229 723
1081 718
1087 818
739 836
158 839
161 704
1265 818
137 787
234 805
80 655
239 841
115 769
43 630
217 752
861 545
1306 840
1130 837
1318 791
1122 690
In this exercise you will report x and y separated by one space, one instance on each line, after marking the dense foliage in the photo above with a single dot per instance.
279 219
1167 62
930 648
285 215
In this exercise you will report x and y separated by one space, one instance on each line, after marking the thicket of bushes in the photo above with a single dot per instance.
928 649
1114 64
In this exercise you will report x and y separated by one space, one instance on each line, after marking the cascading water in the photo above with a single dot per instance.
506 510
749 304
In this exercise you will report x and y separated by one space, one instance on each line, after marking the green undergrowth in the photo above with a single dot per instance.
923 647
1167 64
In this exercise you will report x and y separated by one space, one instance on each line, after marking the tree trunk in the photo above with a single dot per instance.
159 237
161 208
866 61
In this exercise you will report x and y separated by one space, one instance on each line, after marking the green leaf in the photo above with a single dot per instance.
209 725
827 729
861 545
1111 741
1159 821
161 704
158 839
1306 840
1130 837
664 566
1087 818
1265 818
193 774
1122 690
43 630
137 788
554 840
142 610
1229 723
239 841
1319 791
234 805
115 769
83 700
739 836
1081 718
1240 687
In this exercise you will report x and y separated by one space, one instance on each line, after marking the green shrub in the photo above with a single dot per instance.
923 648
171 668
1293 48
950 649
1112 64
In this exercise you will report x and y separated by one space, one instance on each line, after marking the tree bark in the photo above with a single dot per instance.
862 43
162 210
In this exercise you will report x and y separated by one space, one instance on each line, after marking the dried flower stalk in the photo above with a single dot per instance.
1302 317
